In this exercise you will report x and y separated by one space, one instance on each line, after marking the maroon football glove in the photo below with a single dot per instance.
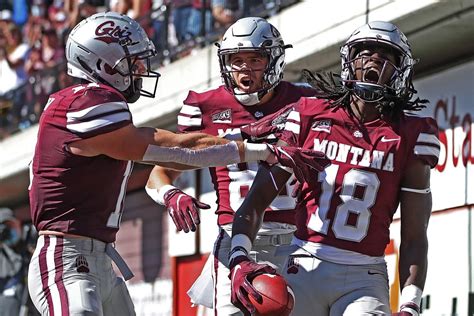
297 190
303 161
257 132
183 209
243 271
270 124
408 309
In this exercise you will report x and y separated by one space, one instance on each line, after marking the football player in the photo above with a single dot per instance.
83 159
381 157
252 58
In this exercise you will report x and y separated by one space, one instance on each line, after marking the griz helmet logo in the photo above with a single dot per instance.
108 32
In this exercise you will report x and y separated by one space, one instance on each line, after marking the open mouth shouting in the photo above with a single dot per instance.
247 84
371 75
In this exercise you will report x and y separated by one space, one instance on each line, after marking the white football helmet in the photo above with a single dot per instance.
112 49
252 34
379 33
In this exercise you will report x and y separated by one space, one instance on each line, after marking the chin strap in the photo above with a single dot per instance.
250 99
368 92
132 94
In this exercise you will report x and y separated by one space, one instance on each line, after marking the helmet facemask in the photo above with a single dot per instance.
373 78
135 68
254 35
268 80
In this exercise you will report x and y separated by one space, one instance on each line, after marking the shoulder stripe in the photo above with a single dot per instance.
426 150
191 110
292 127
294 116
96 111
428 138
189 121
190 116
99 122
293 122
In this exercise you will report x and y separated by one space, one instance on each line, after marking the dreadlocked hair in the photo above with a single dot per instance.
329 86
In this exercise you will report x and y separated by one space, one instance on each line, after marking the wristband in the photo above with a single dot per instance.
255 152
420 191
411 294
157 195
240 245
237 251
410 307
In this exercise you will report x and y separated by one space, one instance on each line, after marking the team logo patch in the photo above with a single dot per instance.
258 114
357 134
282 118
322 126
222 117
108 32
293 265
81 264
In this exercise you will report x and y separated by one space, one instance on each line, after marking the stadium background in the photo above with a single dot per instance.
166 262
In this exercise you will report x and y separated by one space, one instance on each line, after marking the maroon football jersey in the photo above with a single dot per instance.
217 112
356 197
76 194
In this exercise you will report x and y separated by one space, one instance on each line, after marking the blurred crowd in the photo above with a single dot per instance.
17 242
33 34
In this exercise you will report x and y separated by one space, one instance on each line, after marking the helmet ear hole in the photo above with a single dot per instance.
109 70
84 65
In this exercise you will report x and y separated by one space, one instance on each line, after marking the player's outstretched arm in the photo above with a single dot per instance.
183 208
149 145
415 207
247 221
157 146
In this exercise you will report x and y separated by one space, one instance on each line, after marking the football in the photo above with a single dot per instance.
278 298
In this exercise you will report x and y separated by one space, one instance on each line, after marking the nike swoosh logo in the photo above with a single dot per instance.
386 140
373 272
237 268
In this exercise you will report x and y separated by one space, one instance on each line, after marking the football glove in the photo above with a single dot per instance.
303 161
183 209
257 132
270 124
297 193
242 272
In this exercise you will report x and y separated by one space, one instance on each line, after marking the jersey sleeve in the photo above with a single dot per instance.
426 146
97 111
190 116
291 131
300 120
